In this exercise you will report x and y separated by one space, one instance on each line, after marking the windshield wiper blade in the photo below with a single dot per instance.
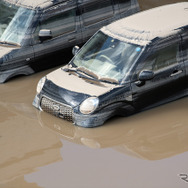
88 72
82 70
109 80
8 43
92 75
79 71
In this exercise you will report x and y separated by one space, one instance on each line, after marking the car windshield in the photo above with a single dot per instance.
14 22
107 57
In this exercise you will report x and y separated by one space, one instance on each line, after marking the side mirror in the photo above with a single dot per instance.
45 34
146 75
75 50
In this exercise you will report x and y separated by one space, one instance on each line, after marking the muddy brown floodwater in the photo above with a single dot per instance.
37 150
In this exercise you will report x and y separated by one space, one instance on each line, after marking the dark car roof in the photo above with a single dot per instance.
145 26
35 4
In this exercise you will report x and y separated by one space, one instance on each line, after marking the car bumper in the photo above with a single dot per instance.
68 113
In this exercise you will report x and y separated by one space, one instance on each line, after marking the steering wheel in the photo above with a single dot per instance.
105 58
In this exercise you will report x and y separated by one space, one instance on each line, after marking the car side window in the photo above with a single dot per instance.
124 5
97 11
185 49
162 59
61 23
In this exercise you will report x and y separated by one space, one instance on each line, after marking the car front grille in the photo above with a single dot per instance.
57 109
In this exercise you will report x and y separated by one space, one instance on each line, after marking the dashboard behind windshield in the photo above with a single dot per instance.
14 22
107 57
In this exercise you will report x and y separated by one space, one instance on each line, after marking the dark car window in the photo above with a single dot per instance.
97 11
59 24
15 22
124 5
163 58
185 49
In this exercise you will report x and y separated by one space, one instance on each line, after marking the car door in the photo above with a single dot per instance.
65 28
18 58
184 47
125 7
168 80
95 14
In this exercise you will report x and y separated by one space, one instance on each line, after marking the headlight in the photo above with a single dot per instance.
89 105
40 84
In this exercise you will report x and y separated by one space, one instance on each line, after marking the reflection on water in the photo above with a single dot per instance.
24 145
154 134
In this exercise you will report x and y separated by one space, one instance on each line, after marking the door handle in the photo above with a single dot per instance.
176 72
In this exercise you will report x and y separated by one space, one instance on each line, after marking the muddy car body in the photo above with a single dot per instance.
32 30
130 65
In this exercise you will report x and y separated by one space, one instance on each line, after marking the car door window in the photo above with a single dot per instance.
124 5
162 59
185 49
61 23
97 11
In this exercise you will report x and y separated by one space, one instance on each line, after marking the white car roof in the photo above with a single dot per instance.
34 4
143 27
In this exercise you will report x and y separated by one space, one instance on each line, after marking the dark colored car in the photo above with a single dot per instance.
31 30
130 65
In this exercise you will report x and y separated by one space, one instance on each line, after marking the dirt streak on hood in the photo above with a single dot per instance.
73 83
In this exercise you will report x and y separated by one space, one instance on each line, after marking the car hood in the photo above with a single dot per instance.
5 50
74 83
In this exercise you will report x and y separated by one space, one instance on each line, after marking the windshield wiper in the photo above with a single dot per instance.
88 72
92 75
109 80
102 79
8 43
81 70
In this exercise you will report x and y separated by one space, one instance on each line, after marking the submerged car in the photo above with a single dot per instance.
31 30
130 65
